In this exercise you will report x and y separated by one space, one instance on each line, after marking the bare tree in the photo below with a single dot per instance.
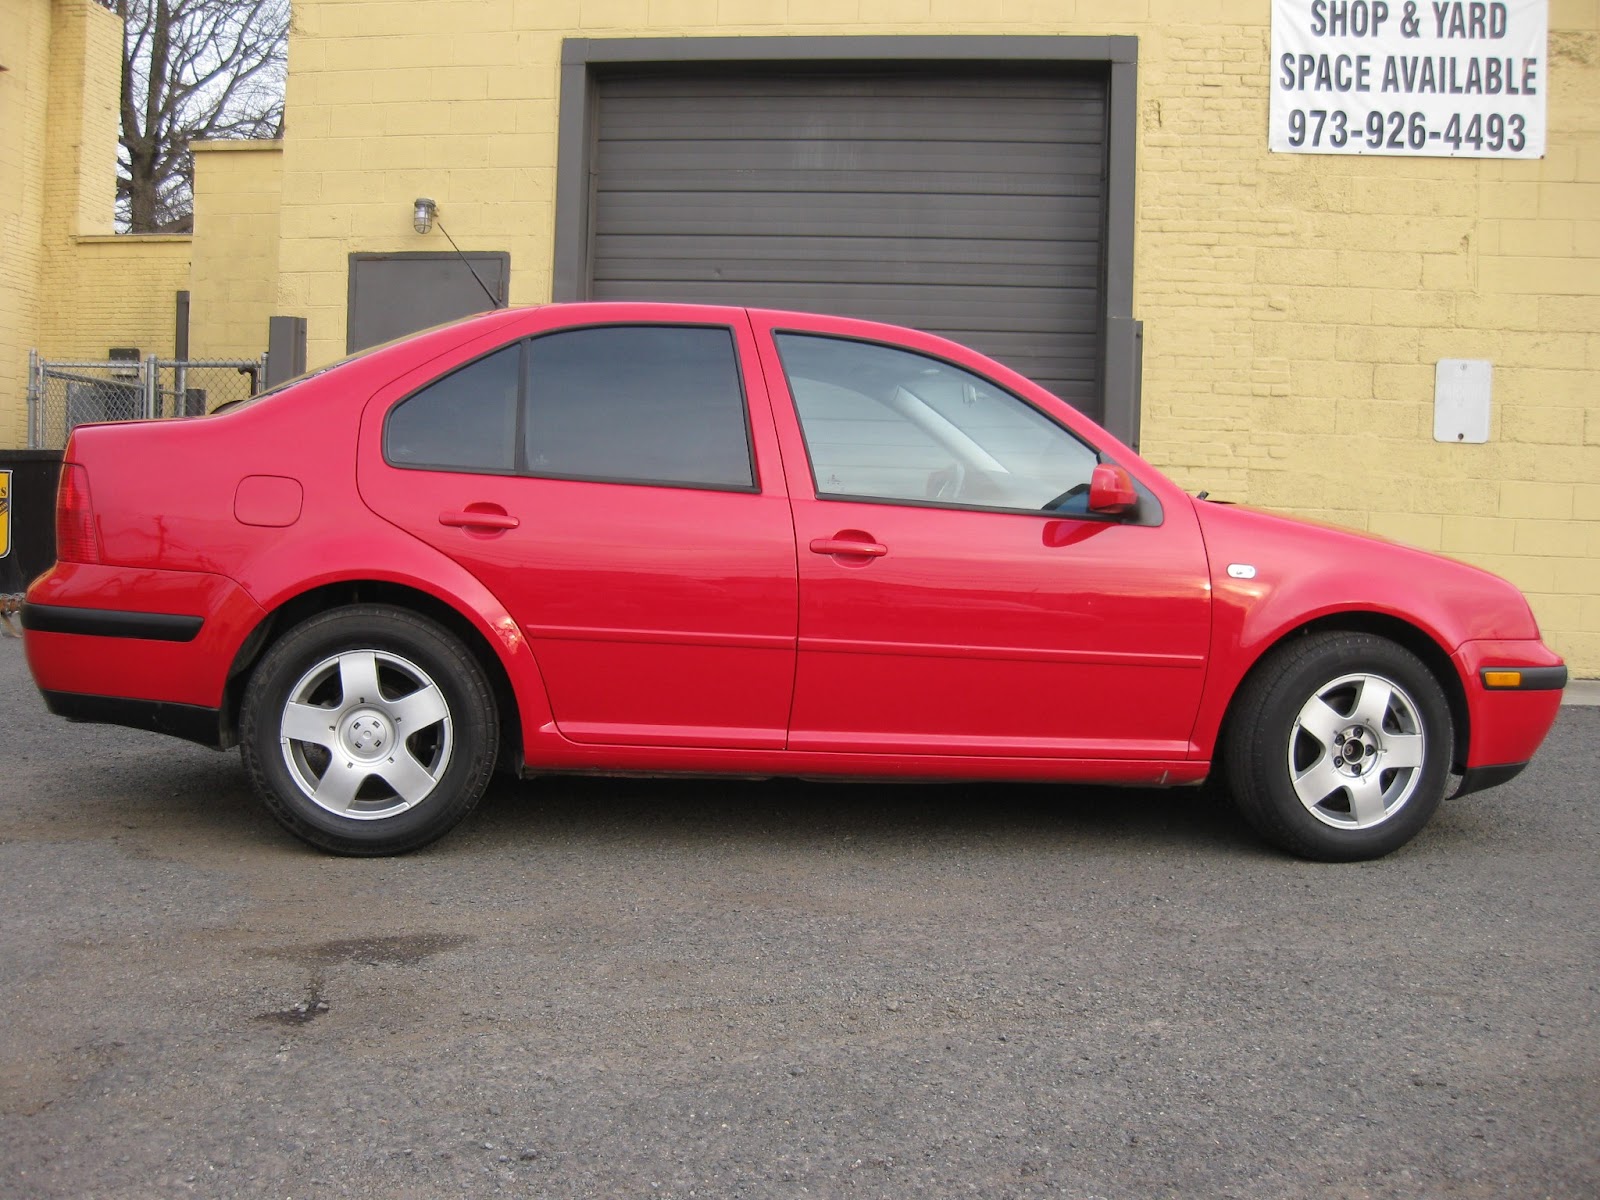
191 70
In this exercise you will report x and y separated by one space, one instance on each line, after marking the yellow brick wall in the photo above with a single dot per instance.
1294 306
234 273
68 288
24 92
117 291
81 140
98 290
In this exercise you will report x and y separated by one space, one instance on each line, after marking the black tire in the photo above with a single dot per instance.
1380 708
416 755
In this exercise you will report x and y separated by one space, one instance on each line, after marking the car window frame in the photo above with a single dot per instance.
520 468
1147 512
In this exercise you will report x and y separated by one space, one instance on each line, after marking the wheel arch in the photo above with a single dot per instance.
303 605
1403 633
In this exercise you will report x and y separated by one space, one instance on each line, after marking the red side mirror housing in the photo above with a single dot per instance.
1111 490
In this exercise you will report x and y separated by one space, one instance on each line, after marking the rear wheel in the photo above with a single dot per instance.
1339 747
369 730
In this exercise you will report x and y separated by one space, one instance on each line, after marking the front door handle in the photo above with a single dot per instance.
475 519
841 545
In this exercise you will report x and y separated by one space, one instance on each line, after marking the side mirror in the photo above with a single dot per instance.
1111 490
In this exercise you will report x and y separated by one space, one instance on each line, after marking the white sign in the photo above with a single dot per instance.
1453 79
1461 390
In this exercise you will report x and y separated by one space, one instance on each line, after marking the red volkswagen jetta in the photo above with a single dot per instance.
659 538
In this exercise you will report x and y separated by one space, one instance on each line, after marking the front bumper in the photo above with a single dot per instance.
1507 722
1476 779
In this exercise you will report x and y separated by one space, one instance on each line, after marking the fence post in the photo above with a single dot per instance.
35 440
152 387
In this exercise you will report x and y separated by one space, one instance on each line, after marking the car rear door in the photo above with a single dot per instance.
956 597
618 487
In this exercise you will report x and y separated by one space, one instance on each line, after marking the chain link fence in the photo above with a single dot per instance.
64 395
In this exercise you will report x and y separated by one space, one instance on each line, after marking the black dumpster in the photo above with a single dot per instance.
27 515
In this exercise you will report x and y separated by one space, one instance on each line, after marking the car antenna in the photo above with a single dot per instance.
493 303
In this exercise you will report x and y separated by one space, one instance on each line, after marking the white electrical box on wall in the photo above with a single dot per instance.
1461 389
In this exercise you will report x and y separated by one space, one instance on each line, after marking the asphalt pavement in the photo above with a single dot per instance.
634 988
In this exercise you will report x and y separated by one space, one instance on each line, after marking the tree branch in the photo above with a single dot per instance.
192 69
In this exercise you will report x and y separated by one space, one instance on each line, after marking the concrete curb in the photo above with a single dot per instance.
1582 691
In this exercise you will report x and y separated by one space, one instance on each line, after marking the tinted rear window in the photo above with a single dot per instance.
467 420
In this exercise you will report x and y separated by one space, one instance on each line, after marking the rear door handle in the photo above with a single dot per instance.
846 546
479 520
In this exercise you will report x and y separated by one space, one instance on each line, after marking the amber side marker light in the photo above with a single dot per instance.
1524 679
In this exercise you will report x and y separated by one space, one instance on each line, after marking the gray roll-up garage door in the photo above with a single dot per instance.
970 204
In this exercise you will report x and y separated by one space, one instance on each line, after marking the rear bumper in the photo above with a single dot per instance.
187 721
123 635
1506 724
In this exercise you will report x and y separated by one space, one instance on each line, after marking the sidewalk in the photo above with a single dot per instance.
1582 691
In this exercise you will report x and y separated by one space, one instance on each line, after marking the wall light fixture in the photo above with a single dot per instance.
422 214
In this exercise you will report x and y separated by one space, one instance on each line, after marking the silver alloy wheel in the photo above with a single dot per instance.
366 734
1356 751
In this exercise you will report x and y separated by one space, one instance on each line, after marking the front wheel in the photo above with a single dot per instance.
368 730
1339 747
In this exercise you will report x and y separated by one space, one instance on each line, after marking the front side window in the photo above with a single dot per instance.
637 404
888 424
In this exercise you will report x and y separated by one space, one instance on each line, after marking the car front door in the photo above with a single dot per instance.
613 487
956 596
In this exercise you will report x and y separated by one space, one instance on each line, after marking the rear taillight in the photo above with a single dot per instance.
76 537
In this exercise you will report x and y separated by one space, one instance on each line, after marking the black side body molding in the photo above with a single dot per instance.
111 622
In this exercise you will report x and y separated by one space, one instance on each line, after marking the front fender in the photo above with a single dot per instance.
1272 575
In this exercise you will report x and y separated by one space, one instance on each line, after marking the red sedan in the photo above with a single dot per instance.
664 539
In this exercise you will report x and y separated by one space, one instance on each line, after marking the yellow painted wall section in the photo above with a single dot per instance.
68 288
123 293
98 290
25 53
1294 306
234 276
84 79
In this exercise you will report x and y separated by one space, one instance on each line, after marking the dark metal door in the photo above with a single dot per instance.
392 295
